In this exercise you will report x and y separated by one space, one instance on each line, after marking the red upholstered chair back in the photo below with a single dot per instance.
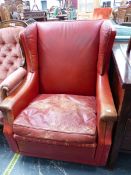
10 53
102 13
68 55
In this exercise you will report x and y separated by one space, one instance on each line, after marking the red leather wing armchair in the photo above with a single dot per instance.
64 109
11 60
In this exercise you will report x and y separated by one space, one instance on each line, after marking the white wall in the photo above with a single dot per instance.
1 1
51 3
38 2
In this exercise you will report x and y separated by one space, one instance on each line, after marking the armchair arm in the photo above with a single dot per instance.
105 105
12 81
22 95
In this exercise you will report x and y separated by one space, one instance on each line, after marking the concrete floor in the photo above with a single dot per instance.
22 165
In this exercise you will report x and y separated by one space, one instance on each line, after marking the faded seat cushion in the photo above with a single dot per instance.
65 118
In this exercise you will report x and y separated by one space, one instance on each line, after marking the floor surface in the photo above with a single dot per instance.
12 164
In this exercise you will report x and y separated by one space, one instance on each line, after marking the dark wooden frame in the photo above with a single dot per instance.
12 23
120 80
129 47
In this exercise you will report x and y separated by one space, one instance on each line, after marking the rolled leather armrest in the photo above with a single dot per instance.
105 105
13 79
22 95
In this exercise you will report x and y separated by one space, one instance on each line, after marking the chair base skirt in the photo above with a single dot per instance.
31 147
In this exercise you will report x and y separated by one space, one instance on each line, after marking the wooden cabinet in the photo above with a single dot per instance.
120 80
36 15
126 142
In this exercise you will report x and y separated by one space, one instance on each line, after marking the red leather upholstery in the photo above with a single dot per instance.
78 68
10 53
64 108
105 46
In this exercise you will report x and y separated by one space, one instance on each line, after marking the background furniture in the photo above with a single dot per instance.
64 109
12 23
102 13
85 8
122 15
128 14
10 58
4 13
36 15
121 88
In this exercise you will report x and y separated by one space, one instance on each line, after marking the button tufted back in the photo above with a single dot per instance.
10 52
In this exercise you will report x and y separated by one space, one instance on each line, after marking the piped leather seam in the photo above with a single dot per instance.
54 131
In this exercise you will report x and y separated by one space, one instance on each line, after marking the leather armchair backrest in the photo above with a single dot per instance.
68 55
10 52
